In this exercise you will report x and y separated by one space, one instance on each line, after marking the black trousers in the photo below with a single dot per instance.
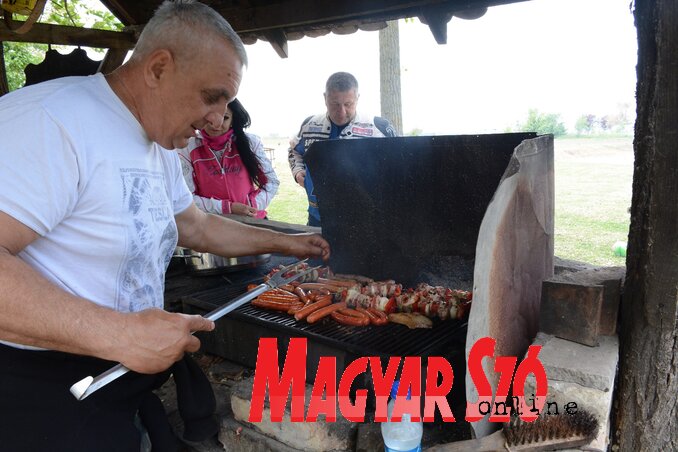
38 412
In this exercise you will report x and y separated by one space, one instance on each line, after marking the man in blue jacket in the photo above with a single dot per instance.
339 121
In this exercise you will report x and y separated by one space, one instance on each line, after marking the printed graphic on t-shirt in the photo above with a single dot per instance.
151 238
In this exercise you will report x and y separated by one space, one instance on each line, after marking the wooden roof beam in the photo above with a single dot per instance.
72 36
112 60
437 18
303 13
278 40
437 24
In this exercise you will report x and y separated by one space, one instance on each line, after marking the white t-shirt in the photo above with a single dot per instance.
78 169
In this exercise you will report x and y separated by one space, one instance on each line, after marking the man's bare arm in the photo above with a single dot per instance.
35 312
218 235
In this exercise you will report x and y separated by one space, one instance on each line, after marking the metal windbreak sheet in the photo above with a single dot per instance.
389 205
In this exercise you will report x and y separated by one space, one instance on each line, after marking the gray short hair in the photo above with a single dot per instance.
341 82
181 25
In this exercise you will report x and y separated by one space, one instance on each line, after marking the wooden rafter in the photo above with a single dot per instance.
66 35
278 40
249 17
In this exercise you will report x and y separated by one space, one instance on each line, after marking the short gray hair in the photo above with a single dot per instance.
341 82
180 26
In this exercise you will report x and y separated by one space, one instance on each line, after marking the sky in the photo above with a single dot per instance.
568 57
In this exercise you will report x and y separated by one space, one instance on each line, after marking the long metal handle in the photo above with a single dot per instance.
237 302
188 256
88 385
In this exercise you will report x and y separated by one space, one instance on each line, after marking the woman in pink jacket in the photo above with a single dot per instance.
227 170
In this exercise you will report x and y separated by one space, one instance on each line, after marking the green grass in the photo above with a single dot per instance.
289 204
593 179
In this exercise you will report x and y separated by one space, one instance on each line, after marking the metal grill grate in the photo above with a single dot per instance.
387 340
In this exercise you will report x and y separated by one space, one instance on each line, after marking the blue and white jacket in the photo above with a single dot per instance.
319 127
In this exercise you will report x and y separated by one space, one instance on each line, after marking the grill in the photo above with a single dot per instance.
237 338
414 209
387 340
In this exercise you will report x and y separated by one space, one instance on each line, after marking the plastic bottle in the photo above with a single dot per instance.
403 436
619 248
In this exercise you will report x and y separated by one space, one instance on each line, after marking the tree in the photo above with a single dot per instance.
72 12
543 123
585 124
18 55
604 123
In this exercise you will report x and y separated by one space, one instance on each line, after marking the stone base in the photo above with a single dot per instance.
315 436
240 438
580 374
227 380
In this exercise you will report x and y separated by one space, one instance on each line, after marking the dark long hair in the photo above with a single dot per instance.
240 121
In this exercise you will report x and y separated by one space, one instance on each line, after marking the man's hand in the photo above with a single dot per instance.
307 245
300 177
152 340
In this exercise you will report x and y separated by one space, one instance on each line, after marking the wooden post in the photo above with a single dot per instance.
112 60
389 70
647 414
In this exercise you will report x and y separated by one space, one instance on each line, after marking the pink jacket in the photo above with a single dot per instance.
217 183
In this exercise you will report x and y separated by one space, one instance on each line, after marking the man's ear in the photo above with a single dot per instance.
158 65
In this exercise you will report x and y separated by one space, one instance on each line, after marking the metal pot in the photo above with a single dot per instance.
207 264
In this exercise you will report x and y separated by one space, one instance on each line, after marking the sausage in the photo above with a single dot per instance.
275 298
345 319
378 313
318 286
281 291
380 318
273 305
369 314
295 307
302 295
323 312
354 313
374 318
268 296
309 309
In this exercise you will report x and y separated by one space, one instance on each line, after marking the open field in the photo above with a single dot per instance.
593 179
289 205
593 195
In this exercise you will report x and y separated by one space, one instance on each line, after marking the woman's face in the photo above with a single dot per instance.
228 119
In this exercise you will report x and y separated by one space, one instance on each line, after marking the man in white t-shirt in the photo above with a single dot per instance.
92 204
